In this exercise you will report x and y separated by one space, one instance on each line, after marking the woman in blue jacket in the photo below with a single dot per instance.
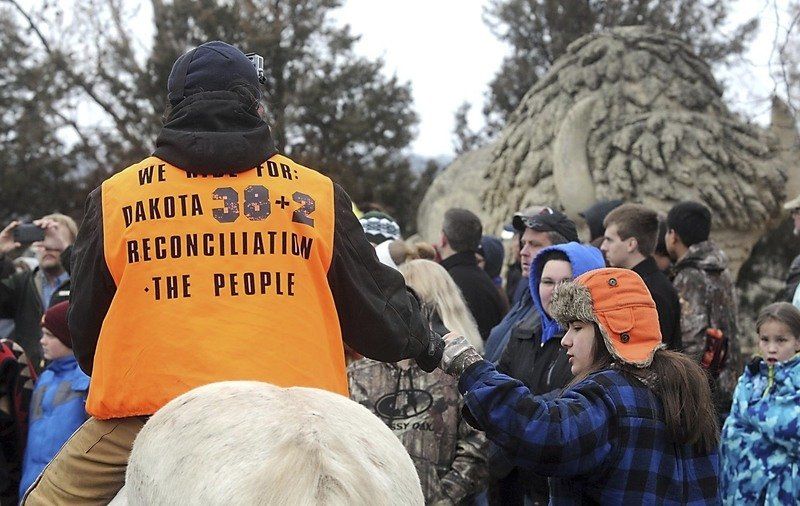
59 399
636 425
760 451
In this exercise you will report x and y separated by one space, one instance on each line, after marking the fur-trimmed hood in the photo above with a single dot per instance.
583 259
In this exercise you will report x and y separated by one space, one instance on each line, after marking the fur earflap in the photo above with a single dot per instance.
572 302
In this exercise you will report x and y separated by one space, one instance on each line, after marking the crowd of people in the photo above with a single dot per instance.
689 374
608 370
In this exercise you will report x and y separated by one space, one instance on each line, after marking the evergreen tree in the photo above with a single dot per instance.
328 107
33 161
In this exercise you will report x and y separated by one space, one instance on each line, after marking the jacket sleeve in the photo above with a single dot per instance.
468 472
92 288
553 436
9 287
667 319
380 318
690 285
792 280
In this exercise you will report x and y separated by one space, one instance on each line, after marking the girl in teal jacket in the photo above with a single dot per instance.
760 450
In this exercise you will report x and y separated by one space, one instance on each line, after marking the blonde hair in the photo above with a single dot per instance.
65 221
438 290
402 251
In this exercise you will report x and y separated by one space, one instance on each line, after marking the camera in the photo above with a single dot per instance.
258 62
28 233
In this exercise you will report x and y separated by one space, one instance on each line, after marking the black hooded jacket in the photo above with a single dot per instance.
220 133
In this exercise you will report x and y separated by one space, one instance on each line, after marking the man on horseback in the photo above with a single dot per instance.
217 258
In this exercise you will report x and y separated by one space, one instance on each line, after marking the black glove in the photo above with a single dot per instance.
432 356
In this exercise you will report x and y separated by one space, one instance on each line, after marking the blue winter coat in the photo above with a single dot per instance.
760 451
58 408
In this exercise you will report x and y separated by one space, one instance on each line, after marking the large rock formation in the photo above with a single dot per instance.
634 114
461 184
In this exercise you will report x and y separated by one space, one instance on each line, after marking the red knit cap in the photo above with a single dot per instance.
55 320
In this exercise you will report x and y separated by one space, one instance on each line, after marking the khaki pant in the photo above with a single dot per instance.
90 467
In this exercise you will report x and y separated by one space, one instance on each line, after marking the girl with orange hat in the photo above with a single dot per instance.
635 426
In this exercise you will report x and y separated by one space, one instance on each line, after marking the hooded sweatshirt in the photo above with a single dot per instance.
528 357
582 257
217 132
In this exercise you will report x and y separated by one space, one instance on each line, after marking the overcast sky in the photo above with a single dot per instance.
447 52
442 47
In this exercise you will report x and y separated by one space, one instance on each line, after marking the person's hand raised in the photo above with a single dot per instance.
53 236
7 242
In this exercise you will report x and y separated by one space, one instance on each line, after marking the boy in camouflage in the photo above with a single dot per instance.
706 293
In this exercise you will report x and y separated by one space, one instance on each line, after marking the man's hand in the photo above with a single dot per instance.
430 358
53 236
7 242
458 354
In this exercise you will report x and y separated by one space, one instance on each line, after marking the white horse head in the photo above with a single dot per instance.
245 442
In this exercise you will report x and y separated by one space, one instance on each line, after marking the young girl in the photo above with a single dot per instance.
760 451
636 426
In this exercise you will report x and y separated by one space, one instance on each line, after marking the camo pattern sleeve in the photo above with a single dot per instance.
691 286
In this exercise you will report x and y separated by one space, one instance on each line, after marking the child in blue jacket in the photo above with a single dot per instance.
760 451
59 399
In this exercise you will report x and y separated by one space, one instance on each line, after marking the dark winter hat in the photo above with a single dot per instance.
548 220
379 227
596 214
213 66
491 249
55 320
691 221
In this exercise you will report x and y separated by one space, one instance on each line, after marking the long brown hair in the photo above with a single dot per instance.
679 383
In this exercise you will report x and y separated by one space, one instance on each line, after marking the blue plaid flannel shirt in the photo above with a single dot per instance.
602 441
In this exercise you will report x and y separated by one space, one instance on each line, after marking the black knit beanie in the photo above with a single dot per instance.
213 66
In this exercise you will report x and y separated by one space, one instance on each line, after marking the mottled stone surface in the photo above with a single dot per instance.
633 113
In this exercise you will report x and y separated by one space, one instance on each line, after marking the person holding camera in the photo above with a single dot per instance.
25 296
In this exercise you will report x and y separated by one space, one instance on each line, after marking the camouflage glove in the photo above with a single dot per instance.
458 355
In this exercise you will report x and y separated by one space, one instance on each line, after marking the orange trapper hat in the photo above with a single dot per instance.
620 303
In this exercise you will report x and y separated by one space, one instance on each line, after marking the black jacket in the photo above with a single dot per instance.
482 297
379 316
666 299
543 368
21 301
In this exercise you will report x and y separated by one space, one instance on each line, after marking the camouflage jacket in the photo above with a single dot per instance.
708 300
424 411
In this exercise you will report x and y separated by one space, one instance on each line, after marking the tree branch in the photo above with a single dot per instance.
59 59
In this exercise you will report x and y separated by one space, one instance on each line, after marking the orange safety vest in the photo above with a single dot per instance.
218 278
